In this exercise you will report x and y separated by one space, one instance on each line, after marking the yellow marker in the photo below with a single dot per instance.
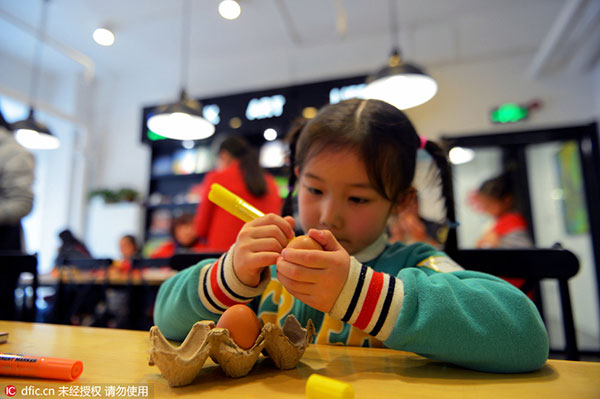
320 387
232 203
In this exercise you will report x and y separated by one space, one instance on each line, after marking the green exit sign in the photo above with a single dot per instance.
154 136
509 113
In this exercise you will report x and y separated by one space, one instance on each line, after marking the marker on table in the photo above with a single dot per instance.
232 203
40 367
321 387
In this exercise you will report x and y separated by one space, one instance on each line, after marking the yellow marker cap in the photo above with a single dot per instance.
320 387
232 203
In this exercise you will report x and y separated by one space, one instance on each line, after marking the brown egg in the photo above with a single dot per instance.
304 242
243 325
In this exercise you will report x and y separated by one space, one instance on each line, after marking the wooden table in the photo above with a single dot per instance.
113 357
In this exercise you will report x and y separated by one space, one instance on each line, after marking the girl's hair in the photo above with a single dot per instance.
381 135
4 123
498 187
131 239
252 172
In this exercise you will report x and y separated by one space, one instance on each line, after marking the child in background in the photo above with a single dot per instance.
184 238
117 298
354 163
409 227
495 197
129 250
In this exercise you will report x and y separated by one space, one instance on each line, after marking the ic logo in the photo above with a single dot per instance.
10 390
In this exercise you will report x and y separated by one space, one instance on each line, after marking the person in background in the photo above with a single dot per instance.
70 248
16 195
354 163
129 250
495 197
117 298
408 226
239 171
16 201
183 238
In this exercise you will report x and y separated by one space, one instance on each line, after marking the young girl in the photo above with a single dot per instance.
354 163
495 197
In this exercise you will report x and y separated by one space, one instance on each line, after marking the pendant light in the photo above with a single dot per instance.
401 84
182 120
29 132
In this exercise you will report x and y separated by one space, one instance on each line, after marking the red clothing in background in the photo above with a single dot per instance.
509 223
217 227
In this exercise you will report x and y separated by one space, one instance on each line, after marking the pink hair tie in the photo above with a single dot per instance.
423 142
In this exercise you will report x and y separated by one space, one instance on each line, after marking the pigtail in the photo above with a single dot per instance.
253 173
292 139
445 174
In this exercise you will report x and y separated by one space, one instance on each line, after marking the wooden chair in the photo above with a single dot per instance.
12 264
183 261
88 263
138 263
533 265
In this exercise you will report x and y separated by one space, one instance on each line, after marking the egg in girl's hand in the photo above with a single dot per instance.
304 242
243 325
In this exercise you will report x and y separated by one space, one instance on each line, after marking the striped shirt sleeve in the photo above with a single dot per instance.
370 301
219 288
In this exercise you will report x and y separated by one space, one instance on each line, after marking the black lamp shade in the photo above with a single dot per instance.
182 120
33 134
401 84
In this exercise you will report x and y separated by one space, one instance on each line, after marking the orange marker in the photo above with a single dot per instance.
40 367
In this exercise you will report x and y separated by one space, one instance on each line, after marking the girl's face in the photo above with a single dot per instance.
185 234
128 250
335 194
494 207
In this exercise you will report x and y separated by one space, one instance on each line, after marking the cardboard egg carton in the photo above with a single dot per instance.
180 365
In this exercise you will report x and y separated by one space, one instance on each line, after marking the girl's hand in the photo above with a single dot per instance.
315 277
259 244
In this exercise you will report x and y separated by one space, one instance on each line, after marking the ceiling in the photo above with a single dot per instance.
148 32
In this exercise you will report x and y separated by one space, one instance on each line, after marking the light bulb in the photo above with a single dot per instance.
460 155
104 37
36 141
229 9
270 134
181 126
402 91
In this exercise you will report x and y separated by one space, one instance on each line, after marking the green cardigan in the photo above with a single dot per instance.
411 298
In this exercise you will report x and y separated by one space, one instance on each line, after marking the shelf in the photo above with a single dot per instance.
159 235
191 176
